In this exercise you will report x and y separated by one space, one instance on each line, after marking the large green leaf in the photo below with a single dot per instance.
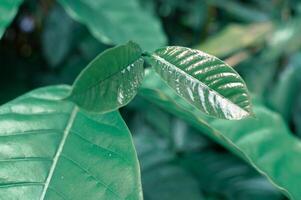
111 80
264 142
8 10
117 21
203 80
51 150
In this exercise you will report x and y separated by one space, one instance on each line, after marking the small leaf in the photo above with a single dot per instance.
203 80
111 80
49 149
8 10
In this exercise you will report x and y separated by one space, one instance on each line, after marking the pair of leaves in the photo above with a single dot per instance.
264 142
49 149
113 78
8 10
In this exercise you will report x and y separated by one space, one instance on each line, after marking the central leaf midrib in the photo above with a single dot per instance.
164 61
59 150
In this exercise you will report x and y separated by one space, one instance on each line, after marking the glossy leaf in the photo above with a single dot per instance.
8 10
263 142
111 80
116 22
203 80
51 150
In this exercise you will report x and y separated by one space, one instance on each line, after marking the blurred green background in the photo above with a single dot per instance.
44 45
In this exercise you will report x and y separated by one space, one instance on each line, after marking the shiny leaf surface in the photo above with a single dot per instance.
51 150
203 80
111 80
8 10
116 22
263 142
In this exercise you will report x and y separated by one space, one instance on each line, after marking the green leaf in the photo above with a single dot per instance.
203 80
116 22
111 80
263 142
51 150
8 10
235 37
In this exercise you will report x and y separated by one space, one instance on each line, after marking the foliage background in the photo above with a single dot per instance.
259 38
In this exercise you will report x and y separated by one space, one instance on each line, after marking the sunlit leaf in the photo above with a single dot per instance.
49 149
111 80
203 80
